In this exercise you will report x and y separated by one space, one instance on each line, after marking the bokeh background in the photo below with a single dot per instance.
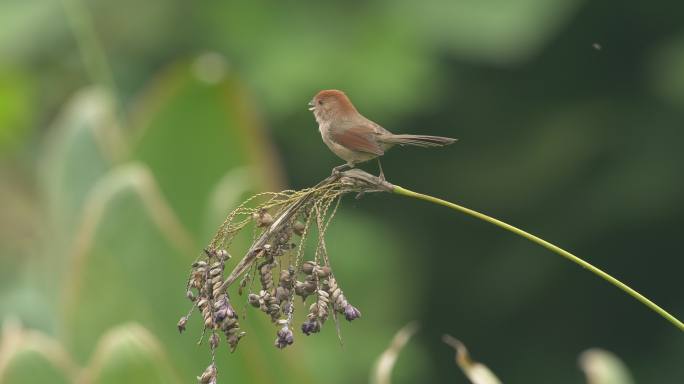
128 129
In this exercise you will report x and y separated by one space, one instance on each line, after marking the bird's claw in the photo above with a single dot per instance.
337 170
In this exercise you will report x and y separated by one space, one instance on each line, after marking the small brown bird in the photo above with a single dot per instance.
353 137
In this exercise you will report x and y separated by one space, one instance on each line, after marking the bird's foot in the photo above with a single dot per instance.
337 170
381 176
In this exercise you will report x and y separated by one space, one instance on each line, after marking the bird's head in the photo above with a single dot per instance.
330 104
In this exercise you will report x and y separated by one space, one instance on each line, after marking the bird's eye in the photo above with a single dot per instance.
320 102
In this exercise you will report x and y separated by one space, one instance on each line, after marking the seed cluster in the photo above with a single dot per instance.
276 260
204 290
277 301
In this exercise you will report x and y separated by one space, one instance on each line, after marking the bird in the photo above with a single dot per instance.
353 137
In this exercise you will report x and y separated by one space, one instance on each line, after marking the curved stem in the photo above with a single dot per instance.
605 276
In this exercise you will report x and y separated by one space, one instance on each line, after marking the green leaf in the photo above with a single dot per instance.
130 354
128 259
82 145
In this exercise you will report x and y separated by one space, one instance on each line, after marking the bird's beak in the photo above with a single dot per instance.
311 105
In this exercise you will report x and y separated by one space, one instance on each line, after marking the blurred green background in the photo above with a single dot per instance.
129 129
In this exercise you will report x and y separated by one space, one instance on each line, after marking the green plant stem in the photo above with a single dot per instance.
605 276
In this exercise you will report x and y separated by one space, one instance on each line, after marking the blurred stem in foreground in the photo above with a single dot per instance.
597 271
92 53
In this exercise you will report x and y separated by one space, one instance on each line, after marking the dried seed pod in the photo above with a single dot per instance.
214 340
298 228
216 288
181 324
282 294
304 289
253 299
223 310
231 329
308 267
285 337
282 238
274 311
221 314
209 323
339 302
262 218
190 295
311 326
285 307
266 276
209 375
285 279
223 255
323 271
229 324
220 301
318 313
243 283
351 313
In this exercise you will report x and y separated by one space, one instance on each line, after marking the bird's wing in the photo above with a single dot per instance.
358 138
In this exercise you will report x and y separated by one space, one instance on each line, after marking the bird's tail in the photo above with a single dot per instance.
417 140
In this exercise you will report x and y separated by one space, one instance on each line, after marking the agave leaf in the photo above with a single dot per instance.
30 356
82 145
604 367
129 353
191 126
477 373
127 259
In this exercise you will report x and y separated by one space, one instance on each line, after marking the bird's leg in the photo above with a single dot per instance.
382 174
343 167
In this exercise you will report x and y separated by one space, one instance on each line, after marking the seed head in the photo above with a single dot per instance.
351 313
311 326
298 228
285 337
181 324
209 375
